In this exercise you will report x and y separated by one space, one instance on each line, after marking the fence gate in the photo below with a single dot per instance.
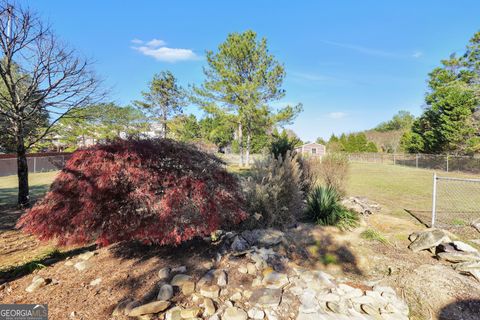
455 201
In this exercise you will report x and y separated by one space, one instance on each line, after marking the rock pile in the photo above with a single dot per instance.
252 280
361 205
464 257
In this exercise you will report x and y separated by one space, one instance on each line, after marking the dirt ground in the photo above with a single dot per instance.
432 288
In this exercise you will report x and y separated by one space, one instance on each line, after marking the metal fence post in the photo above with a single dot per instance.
394 159
34 164
447 162
416 160
434 198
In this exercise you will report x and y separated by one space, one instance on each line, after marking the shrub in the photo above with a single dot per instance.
333 171
154 191
282 143
274 191
324 207
373 235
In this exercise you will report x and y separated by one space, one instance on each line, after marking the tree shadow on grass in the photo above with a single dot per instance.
468 309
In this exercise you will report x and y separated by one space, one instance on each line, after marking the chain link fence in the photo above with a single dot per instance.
446 163
455 202
36 163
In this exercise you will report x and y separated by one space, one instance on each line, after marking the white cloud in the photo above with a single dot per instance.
156 48
417 54
156 43
137 41
337 115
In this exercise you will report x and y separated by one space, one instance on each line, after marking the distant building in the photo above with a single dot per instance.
312 149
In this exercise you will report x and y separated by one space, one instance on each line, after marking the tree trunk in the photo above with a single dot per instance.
164 124
247 152
22 170
240 143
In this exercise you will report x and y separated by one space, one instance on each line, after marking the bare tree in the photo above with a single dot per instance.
38 74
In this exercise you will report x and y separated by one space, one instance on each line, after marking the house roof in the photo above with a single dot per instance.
311 144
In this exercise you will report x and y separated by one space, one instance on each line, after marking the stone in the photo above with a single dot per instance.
130 306
207 279
179 279
329 297
188 287
37 283
383 289
239 244
96 282
370 309
86 255
476 224
271 315
337 306
263 237
149 308
353 294
308 301
210 291
81 266
173 314
458 256
363 300
120 307
462 246
237 296
180 269
275 280
165 293
256 282
221 278
428 239
209 307
242 269
251 269
164 273
472 268
256 314
190 313
266 297
69 263
233 313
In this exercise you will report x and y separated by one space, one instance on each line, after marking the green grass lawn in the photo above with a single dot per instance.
398 188
39 183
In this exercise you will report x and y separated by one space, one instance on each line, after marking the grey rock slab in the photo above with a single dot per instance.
462 246
165 292
239 244
221 278
37 283
266 297
233 313
256 313
81 265
458 256
179 279
164 273
149 308
86 255
428 239
275 280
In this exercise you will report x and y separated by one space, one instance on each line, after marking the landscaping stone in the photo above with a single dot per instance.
462 246
476 224
209 307
96 282
179 279
221 278
370 309
210 291
239 244
233 313
86 255
173 314
207 279
472 268
242 269
188 287
266 297
164 273
274 280
81 266
458 256
251 269
237 296
165 293
130 306
36 284
149 308
427 239
180 269
256 314
190 313
308 301
271 315
120 307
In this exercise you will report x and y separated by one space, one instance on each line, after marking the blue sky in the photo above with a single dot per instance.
351 63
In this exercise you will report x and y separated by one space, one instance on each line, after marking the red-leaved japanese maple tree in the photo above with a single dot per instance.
155 191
